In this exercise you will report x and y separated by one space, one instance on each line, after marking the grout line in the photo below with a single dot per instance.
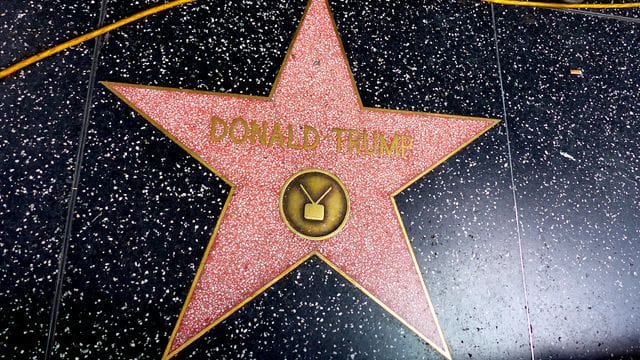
593 13
62 260
600 15
513 184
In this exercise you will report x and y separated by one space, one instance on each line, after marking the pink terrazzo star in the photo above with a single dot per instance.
252 247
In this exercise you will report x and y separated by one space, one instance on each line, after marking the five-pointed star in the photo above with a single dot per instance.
251 247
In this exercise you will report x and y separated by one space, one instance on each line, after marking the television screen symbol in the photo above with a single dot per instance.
313 210
314 204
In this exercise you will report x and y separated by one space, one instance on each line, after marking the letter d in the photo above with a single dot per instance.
308 144
215 121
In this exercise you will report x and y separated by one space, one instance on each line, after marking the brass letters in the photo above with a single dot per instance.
306 137
362 142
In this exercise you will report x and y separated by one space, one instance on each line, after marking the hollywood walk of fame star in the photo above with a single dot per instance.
313 124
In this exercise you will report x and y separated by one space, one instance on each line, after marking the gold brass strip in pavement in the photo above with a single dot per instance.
544 4
103 30
88 36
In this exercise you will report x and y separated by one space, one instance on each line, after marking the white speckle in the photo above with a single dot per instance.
567 155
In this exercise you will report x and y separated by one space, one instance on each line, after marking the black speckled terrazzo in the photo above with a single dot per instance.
41 112
435 57
576 170
145 209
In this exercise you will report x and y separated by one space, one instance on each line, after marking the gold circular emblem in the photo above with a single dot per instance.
314 204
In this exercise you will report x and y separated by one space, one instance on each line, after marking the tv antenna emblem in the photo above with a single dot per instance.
314 204
313 210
